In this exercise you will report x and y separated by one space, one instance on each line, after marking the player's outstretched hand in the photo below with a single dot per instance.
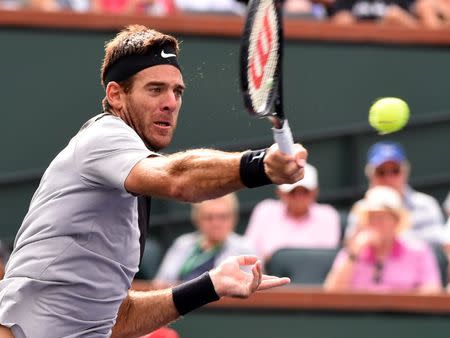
283 168
229 280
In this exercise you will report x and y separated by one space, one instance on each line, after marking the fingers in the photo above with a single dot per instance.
247 260
264 277
283 168
257 276
273 282
300 155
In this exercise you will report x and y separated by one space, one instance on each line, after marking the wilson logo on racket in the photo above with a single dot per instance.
264 45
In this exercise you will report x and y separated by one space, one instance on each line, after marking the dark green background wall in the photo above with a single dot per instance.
310 324
50 86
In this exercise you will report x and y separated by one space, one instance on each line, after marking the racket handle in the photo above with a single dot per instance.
283 137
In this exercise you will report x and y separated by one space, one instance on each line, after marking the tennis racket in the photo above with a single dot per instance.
261 67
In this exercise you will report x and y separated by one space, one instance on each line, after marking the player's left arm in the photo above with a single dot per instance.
143 312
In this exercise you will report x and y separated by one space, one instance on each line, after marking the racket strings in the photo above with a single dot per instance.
263 57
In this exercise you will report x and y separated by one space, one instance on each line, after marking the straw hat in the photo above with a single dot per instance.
382 198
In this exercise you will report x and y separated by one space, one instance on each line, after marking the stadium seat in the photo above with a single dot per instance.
150 260
343 215
303 266
442 261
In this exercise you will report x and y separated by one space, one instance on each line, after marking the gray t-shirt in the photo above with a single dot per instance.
77 250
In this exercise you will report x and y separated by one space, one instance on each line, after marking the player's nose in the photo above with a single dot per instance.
170 101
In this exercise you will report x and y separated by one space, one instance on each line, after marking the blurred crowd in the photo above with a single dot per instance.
409 13
394 239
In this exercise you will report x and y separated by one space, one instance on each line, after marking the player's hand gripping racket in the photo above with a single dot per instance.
261 56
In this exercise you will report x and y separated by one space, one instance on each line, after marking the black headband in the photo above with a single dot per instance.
128 65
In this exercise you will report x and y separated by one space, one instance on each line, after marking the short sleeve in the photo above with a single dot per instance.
106 151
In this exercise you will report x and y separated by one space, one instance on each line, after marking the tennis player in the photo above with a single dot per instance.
78 247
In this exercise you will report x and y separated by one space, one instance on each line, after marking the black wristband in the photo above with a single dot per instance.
252 169
194 294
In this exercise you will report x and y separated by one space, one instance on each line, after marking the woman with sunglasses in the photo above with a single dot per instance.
377 258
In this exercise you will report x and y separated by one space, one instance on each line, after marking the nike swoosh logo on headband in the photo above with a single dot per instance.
166 55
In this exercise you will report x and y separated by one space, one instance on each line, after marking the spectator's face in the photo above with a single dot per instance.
391 174
383 222
216 219
153 103
299 200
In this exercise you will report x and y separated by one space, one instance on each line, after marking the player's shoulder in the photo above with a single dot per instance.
105 122
104 132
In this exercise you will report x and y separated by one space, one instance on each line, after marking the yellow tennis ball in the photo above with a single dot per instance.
388 115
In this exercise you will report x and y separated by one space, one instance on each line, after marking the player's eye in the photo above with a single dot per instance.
178 92
155 90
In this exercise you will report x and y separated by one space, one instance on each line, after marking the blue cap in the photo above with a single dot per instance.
382 152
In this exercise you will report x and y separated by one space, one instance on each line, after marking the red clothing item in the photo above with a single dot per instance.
163 332
157 7
114 6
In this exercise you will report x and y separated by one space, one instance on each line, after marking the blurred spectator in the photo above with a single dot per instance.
446 206
387 165
194 253
433 13
154 7
304 9
216 6
2 268
296 220
376 259
58 5
386 11
11 5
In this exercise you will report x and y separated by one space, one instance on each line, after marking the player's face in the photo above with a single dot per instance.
153 104
391 174
216 219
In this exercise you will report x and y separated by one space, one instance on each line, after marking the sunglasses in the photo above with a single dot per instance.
378 272
382 172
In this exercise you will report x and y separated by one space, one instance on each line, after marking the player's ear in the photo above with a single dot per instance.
114 95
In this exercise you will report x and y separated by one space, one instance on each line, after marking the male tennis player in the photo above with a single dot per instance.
78 248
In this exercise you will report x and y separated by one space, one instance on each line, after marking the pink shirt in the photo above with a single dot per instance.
270 228
411 264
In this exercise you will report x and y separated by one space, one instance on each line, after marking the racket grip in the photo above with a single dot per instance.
283 137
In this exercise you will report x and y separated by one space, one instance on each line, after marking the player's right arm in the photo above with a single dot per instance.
196 175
